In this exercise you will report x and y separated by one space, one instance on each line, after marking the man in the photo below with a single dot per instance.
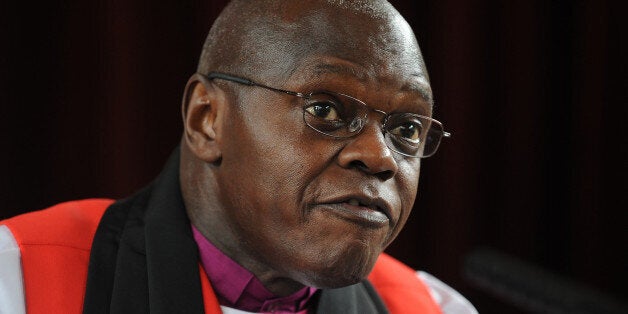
299 163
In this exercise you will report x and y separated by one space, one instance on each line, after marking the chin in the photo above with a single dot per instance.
347 269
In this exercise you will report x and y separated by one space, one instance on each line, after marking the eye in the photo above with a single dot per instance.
408 131
325 110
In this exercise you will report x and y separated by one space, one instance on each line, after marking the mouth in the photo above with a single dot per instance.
364 211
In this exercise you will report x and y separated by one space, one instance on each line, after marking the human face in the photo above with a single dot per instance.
312 208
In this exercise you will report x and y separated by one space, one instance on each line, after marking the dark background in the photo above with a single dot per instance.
534 93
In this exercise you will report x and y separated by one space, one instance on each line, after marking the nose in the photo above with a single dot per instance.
369 153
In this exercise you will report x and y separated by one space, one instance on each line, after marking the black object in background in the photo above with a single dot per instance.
533 288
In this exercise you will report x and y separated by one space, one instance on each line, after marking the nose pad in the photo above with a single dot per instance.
356 125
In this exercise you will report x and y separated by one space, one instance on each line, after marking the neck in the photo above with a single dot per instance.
274 281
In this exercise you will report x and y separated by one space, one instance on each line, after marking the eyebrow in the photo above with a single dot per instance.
415 86
421 86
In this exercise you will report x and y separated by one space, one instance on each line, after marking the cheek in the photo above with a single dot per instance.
269 161
408 180
407 185
289 156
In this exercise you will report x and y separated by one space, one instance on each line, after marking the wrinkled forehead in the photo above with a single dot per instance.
367 33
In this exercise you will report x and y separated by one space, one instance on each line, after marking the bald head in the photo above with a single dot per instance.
267 39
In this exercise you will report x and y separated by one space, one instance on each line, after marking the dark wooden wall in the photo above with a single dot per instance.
534 93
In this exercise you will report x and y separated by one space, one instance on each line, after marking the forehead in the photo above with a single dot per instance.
363 41
300 26
349 41
398 91
384 39
319 67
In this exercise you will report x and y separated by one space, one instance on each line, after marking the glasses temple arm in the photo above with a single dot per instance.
226 77
240 80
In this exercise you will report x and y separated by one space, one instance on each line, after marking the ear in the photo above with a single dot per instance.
203 110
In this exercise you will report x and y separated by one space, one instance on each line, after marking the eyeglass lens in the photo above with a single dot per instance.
342 116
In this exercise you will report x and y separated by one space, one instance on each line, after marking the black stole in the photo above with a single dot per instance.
145 260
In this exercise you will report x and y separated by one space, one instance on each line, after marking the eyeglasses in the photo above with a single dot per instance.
342 116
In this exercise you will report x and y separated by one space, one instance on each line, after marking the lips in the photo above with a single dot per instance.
367 211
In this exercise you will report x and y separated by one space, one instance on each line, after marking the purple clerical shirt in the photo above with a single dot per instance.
238 288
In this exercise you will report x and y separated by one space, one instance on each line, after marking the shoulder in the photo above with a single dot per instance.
391 273
402 287
11 283
45 254
449 300
70 224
